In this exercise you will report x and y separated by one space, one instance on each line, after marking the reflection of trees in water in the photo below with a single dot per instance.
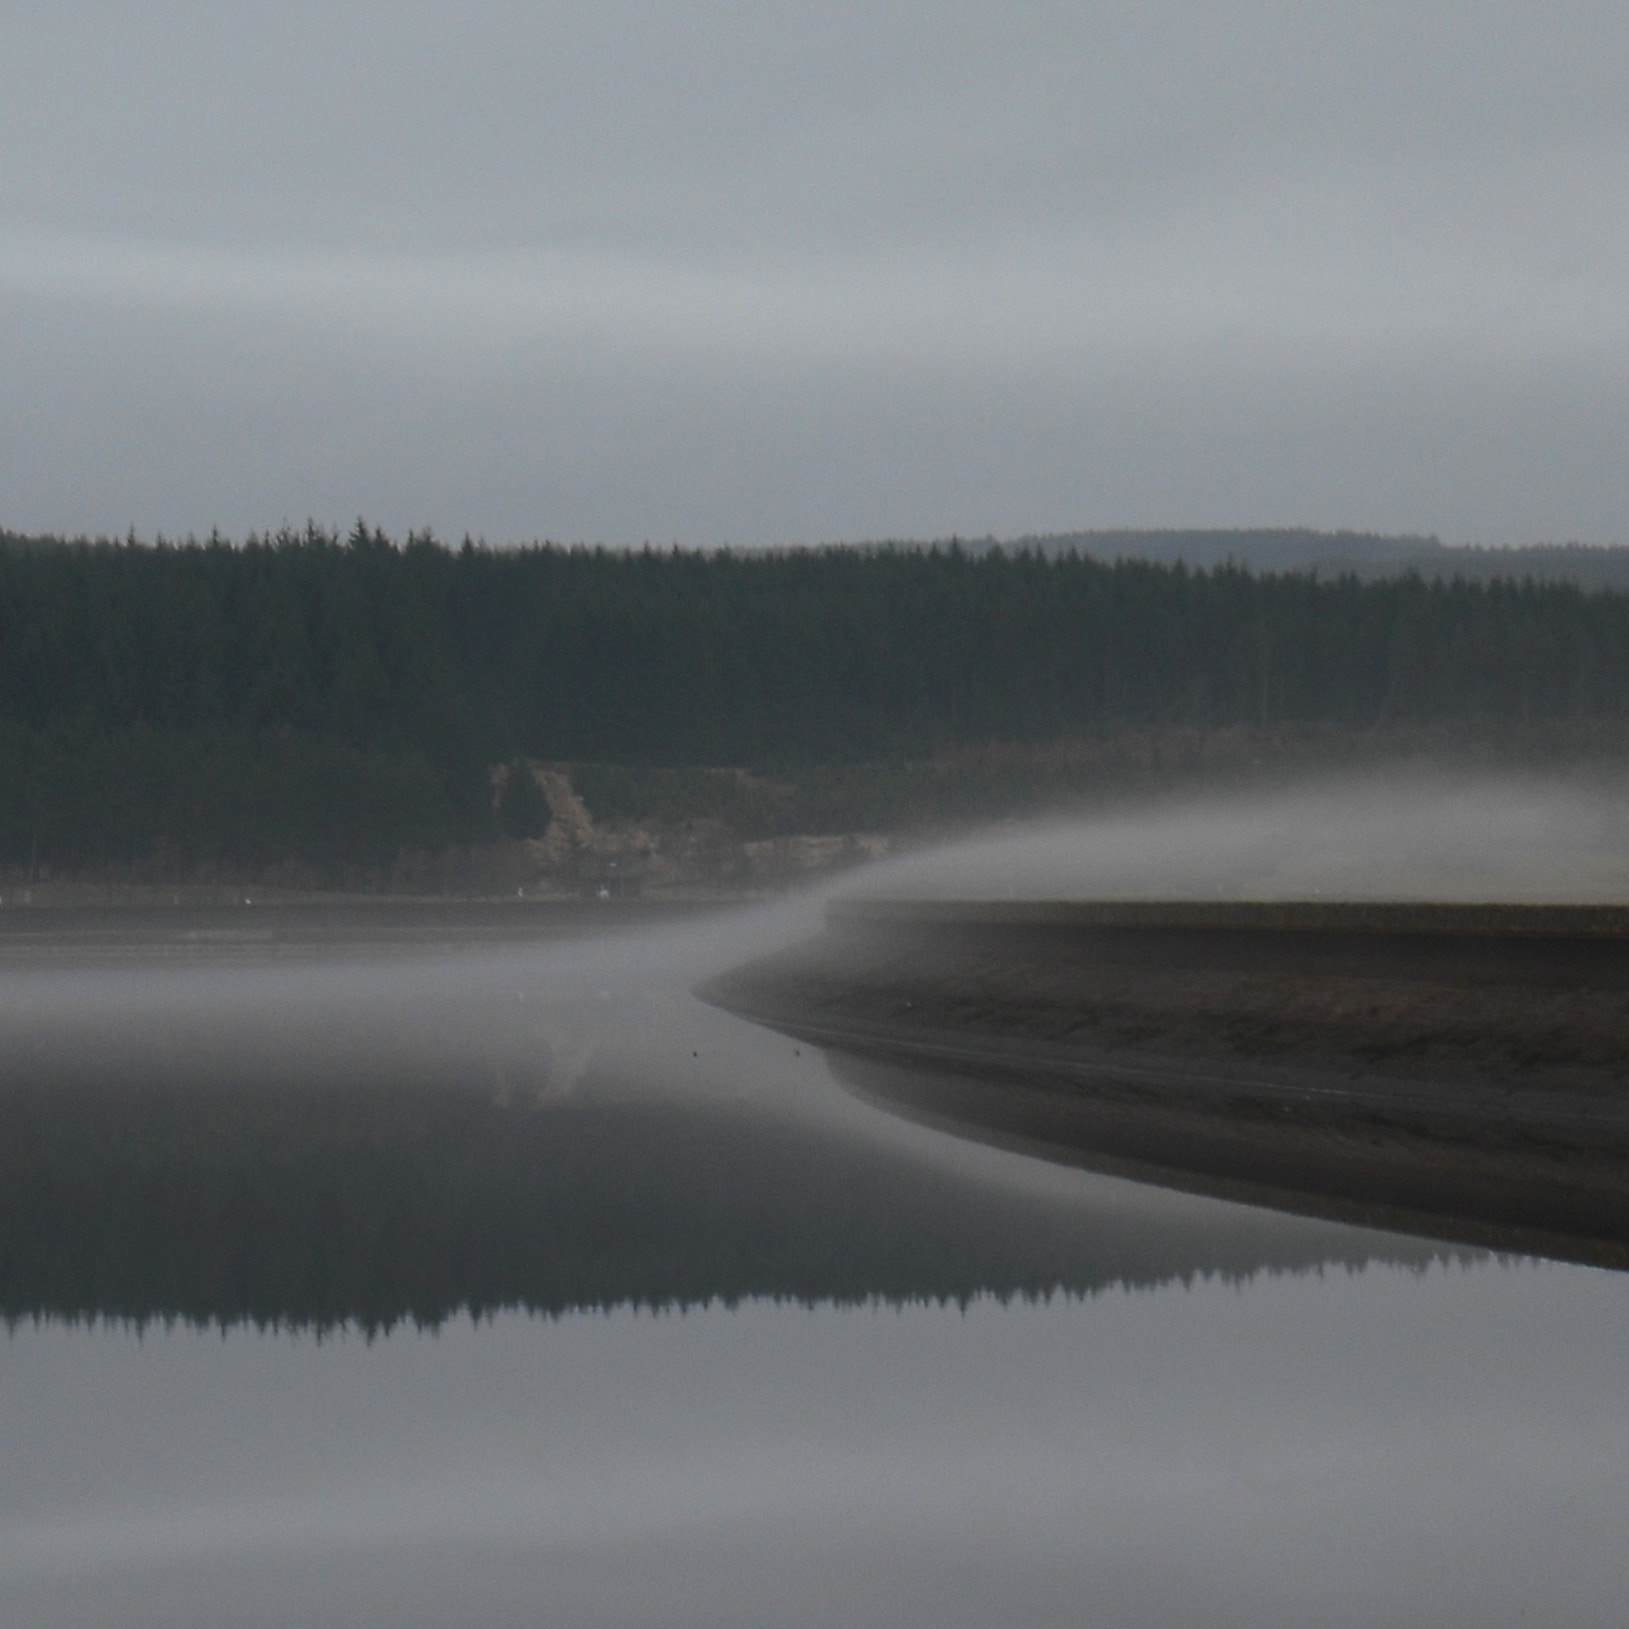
373 1206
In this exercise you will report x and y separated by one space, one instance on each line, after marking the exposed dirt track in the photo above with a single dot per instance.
1456 1071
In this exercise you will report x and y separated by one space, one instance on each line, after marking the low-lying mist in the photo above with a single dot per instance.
1403 835
612 1006
262 1004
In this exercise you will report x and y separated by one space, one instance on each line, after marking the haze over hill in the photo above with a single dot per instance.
1370 556
1367 555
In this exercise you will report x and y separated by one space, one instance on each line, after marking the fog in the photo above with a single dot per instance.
1401 835
257 1003
613 1008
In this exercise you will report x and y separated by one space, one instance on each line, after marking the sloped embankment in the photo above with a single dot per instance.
1459 1071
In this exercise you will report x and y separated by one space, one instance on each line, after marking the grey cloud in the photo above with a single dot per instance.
786 272
628 120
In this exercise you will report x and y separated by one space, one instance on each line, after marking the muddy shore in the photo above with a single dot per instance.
1456 1071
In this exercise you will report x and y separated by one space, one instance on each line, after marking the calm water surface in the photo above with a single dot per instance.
759 1378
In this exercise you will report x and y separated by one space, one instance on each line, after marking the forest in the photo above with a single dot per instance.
340 699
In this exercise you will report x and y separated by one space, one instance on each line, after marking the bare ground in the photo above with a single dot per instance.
1464 1075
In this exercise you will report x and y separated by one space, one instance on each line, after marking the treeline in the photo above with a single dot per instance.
337 700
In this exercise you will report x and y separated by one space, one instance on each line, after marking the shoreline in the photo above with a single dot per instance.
217 932
1461 1073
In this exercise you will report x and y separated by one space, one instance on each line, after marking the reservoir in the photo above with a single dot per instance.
403 1267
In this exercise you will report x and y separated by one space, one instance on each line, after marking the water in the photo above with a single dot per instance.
597 1307
1388 1446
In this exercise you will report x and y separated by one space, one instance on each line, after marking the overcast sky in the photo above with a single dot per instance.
762 273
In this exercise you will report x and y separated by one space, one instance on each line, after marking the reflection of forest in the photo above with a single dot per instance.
372 1205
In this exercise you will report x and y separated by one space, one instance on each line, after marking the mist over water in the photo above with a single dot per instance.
608 1004
255 1003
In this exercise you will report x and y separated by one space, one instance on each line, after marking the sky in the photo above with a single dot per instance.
711 273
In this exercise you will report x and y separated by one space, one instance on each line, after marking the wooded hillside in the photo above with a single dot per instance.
336 699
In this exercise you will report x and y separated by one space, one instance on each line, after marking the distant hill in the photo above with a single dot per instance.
1368 555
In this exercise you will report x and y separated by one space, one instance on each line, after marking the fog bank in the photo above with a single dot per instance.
1403 836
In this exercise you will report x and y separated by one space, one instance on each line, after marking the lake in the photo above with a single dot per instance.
373 1269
